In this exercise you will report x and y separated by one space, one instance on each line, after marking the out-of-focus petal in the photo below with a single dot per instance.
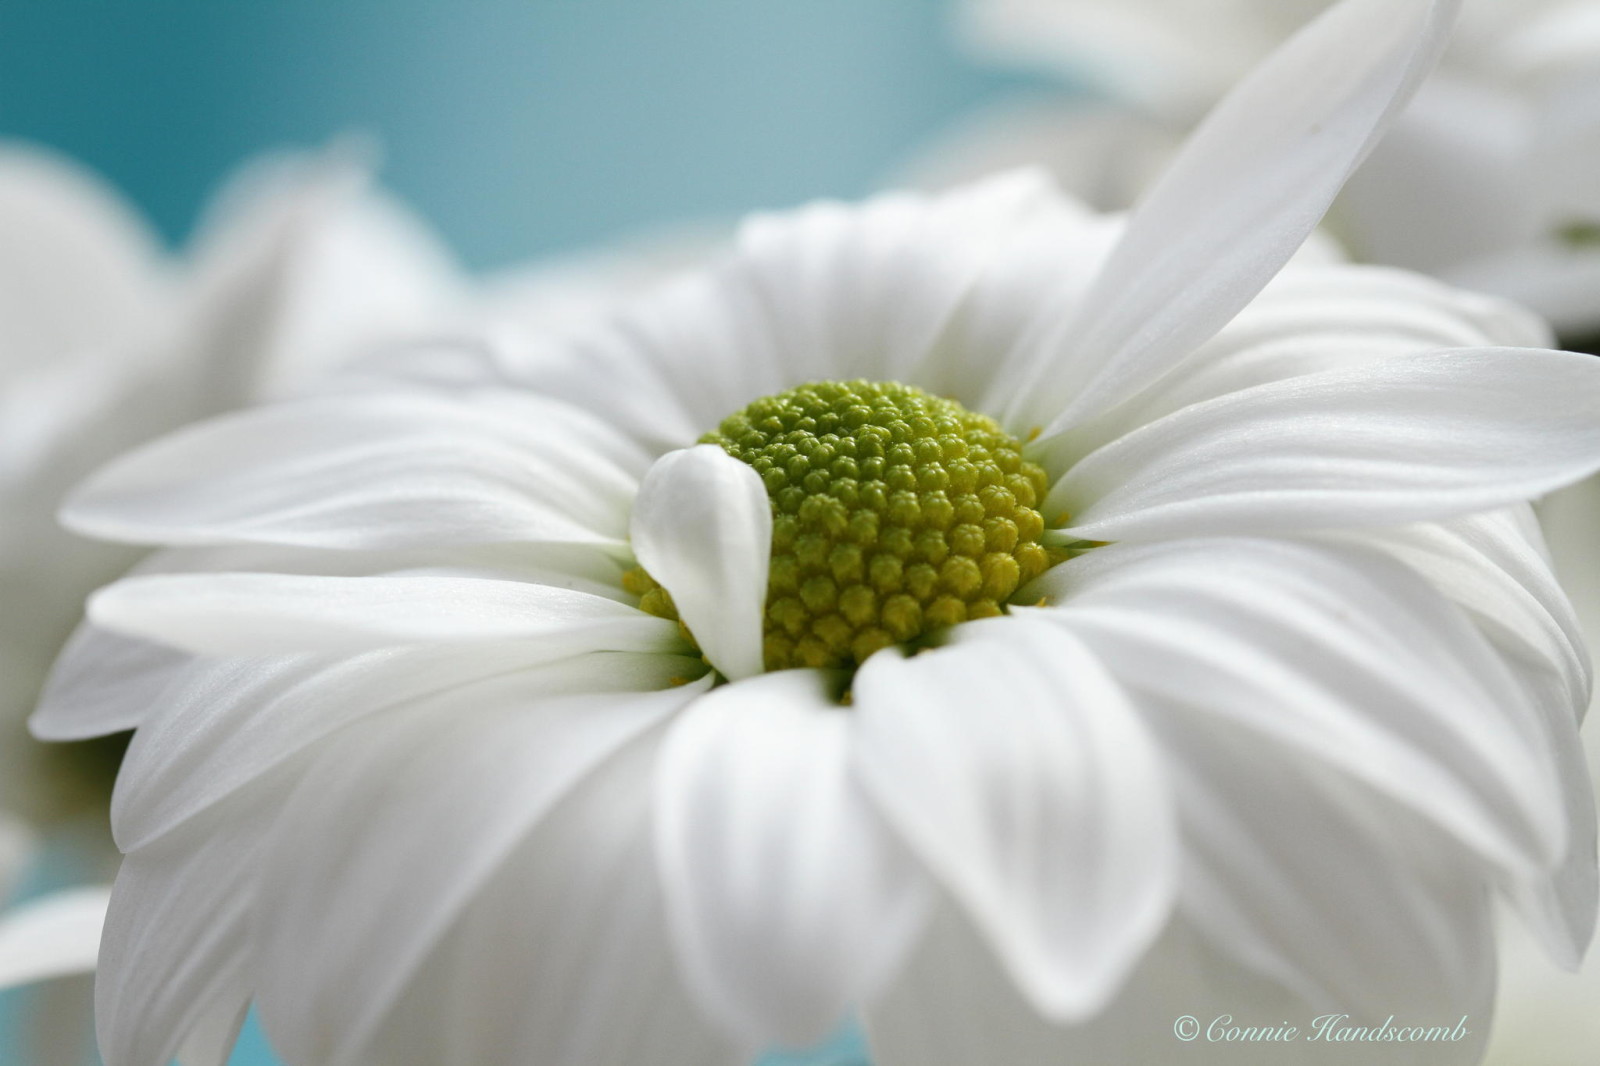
52 936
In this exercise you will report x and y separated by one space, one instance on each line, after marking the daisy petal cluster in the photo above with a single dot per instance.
1486 180
1013 627
109 341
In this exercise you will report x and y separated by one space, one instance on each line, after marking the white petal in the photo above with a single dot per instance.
562 958
1316 318
270 614
1241 197
789 900
395 829
864 292
702 527
1018 772
670 369
175 953
101 683
225 724
387 470
52 936
955 1007
211 1039
1322 884
1486 564
1430 436
828 291
1340 655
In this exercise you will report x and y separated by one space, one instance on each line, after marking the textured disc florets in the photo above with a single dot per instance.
895 513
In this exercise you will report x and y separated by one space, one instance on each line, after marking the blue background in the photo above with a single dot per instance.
518 127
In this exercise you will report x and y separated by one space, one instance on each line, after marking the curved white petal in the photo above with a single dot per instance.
223 725
101 683
383 470
1339 655
1017 771
1487 564
270 614
828 291
176 953
702 527
401 823
562 958
955 1007
1429 436
789 900
1242 195
865 292
1318 882
52 936
1313 318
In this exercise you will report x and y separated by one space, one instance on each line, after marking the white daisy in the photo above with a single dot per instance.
1486 181
108 342
1078 627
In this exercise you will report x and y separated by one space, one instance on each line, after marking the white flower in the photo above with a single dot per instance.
432 789
1486 181
108 342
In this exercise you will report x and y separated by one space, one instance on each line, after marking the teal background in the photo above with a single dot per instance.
518 127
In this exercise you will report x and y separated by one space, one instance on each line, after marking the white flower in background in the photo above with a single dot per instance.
105 342
1097 625
1486 181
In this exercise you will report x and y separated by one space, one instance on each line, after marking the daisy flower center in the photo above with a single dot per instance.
895 514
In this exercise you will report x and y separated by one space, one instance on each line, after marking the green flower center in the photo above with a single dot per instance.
894 514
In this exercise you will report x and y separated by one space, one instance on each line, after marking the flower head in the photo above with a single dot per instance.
1176 630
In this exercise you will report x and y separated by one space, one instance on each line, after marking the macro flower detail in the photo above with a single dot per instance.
428 785
895 514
